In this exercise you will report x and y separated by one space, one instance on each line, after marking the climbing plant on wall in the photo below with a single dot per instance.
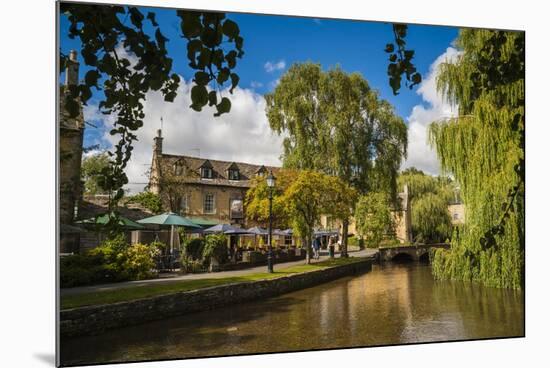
484 149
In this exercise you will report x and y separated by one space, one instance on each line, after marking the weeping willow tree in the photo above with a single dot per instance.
484 149
430 198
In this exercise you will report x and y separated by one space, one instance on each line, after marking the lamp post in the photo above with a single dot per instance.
270 184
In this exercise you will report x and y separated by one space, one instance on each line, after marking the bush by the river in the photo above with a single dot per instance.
192 248
114 260
215 246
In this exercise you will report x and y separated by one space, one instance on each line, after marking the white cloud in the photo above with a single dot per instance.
241 135
420 154
270 67
255 84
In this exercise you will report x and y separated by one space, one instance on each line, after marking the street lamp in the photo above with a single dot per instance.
271 184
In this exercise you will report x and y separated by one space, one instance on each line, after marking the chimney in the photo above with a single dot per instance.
158 142
71 73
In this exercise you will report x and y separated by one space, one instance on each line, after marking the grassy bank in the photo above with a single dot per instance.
144 291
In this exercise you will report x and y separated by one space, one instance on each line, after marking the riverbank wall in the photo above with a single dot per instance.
96 319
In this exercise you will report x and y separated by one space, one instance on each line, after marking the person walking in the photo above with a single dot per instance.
316 248
331 246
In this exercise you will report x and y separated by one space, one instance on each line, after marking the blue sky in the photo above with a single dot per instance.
280 40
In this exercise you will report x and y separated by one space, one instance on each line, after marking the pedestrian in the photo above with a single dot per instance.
316 247
331 246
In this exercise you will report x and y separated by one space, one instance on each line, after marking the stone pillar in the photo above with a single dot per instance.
71 134
154 177
71 73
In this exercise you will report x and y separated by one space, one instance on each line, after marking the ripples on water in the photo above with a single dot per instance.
393 304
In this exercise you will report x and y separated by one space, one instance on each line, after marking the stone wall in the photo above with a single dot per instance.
95 319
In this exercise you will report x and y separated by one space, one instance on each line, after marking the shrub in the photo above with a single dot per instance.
148 200
162 247
139 261
215 247
78 270
189 265
114 260
193 248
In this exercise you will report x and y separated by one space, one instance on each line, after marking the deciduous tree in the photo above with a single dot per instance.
484 149
336 124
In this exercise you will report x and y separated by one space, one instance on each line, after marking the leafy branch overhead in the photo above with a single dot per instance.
109 34
401 61
205 33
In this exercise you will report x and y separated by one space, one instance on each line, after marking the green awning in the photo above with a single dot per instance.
169 218
204 222
104 219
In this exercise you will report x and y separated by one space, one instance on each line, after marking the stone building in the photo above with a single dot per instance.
202 188
401 216
71 135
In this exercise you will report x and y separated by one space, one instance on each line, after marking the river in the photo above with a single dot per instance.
392 304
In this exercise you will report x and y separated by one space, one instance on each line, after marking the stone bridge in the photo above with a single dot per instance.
417 252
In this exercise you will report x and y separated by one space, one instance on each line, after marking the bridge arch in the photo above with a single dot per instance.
402 257
424 257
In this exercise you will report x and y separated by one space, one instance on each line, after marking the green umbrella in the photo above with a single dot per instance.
104 219
169 218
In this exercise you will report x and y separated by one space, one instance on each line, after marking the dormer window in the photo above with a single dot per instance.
178 168
206 172
233 174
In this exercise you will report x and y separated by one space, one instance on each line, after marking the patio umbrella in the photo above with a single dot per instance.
256 230
220 228
104 219
172 219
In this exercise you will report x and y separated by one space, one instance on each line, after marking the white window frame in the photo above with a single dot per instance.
184 199
234 172
203 172
204 199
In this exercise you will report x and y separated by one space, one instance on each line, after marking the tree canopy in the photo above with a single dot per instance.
484 150
299 199
374 219
93 171
430 198
336 124
105 36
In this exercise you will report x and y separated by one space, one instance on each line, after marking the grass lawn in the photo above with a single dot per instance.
144 291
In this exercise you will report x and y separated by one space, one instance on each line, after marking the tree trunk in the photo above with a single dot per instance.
308 249
344 252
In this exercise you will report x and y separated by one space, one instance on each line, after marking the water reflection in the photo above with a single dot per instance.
390 305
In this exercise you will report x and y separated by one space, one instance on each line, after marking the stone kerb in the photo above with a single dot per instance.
95 319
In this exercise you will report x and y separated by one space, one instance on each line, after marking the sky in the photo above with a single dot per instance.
272 44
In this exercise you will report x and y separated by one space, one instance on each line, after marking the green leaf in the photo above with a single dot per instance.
212 98
223 107
223 74
389 47
199 96
151 17
234 82
191 26
91 77
230 29
202 78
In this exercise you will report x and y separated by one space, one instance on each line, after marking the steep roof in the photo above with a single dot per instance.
246 171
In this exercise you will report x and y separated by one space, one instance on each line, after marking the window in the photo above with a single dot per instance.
184 205
206 173
178 168
234 174
209 203
456 216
